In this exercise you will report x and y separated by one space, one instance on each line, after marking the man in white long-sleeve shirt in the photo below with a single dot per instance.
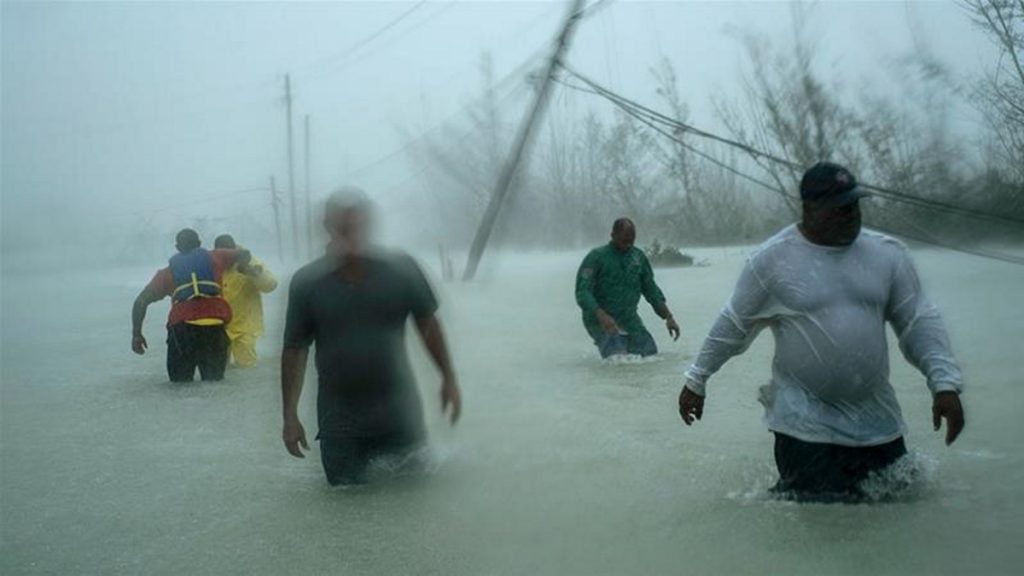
826 288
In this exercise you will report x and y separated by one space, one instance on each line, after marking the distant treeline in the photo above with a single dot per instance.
589 168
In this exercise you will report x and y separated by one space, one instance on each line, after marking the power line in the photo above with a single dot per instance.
515 74
351 55
206 198
251 85
929 238
383 29
594 8
888 193
348 52
690 147
924 236
375 106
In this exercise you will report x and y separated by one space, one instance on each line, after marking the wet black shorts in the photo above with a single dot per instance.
190 347
812 471
346 460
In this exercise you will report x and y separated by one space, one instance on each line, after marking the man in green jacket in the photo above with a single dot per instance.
608 288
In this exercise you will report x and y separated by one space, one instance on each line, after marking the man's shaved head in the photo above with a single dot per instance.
224 241
186 240
347 218
623 234
347 198
621 225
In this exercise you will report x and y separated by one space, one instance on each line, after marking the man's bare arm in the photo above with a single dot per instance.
661 309
433 338
142 302
293 372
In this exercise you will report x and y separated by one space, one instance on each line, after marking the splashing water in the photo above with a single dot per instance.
908 479
423 462
631 359
905 480
562 463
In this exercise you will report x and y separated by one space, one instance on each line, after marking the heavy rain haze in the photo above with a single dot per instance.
118 118
122 123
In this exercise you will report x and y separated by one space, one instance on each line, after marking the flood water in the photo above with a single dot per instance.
562 464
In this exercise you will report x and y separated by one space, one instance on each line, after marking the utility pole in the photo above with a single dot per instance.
291 164
277 218
523 140
309 200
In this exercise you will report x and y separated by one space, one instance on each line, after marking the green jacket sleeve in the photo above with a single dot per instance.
585 279
648 287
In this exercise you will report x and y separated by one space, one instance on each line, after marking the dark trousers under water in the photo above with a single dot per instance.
641 344
346 460
819 472
190 347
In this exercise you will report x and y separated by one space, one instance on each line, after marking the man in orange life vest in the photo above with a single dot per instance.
196 337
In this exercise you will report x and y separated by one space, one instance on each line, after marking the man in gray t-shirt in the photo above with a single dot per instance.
353 303
826 290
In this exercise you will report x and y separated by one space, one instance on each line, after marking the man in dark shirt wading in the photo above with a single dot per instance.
353 303
609 284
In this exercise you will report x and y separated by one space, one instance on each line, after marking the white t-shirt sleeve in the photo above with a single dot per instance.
735 329
922 335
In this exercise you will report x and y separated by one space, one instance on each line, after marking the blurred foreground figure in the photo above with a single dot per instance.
196 337
354 303
243 285
609 284
826 290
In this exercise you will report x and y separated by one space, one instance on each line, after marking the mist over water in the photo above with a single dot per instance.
123 123
563 464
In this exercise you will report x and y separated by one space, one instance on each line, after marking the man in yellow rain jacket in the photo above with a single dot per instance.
242 286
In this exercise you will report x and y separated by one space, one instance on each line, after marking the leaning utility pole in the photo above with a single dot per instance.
277 218
291 164
309 205
523 139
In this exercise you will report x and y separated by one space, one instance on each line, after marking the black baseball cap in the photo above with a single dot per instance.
830 184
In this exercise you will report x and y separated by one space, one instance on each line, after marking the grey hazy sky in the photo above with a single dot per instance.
124 112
